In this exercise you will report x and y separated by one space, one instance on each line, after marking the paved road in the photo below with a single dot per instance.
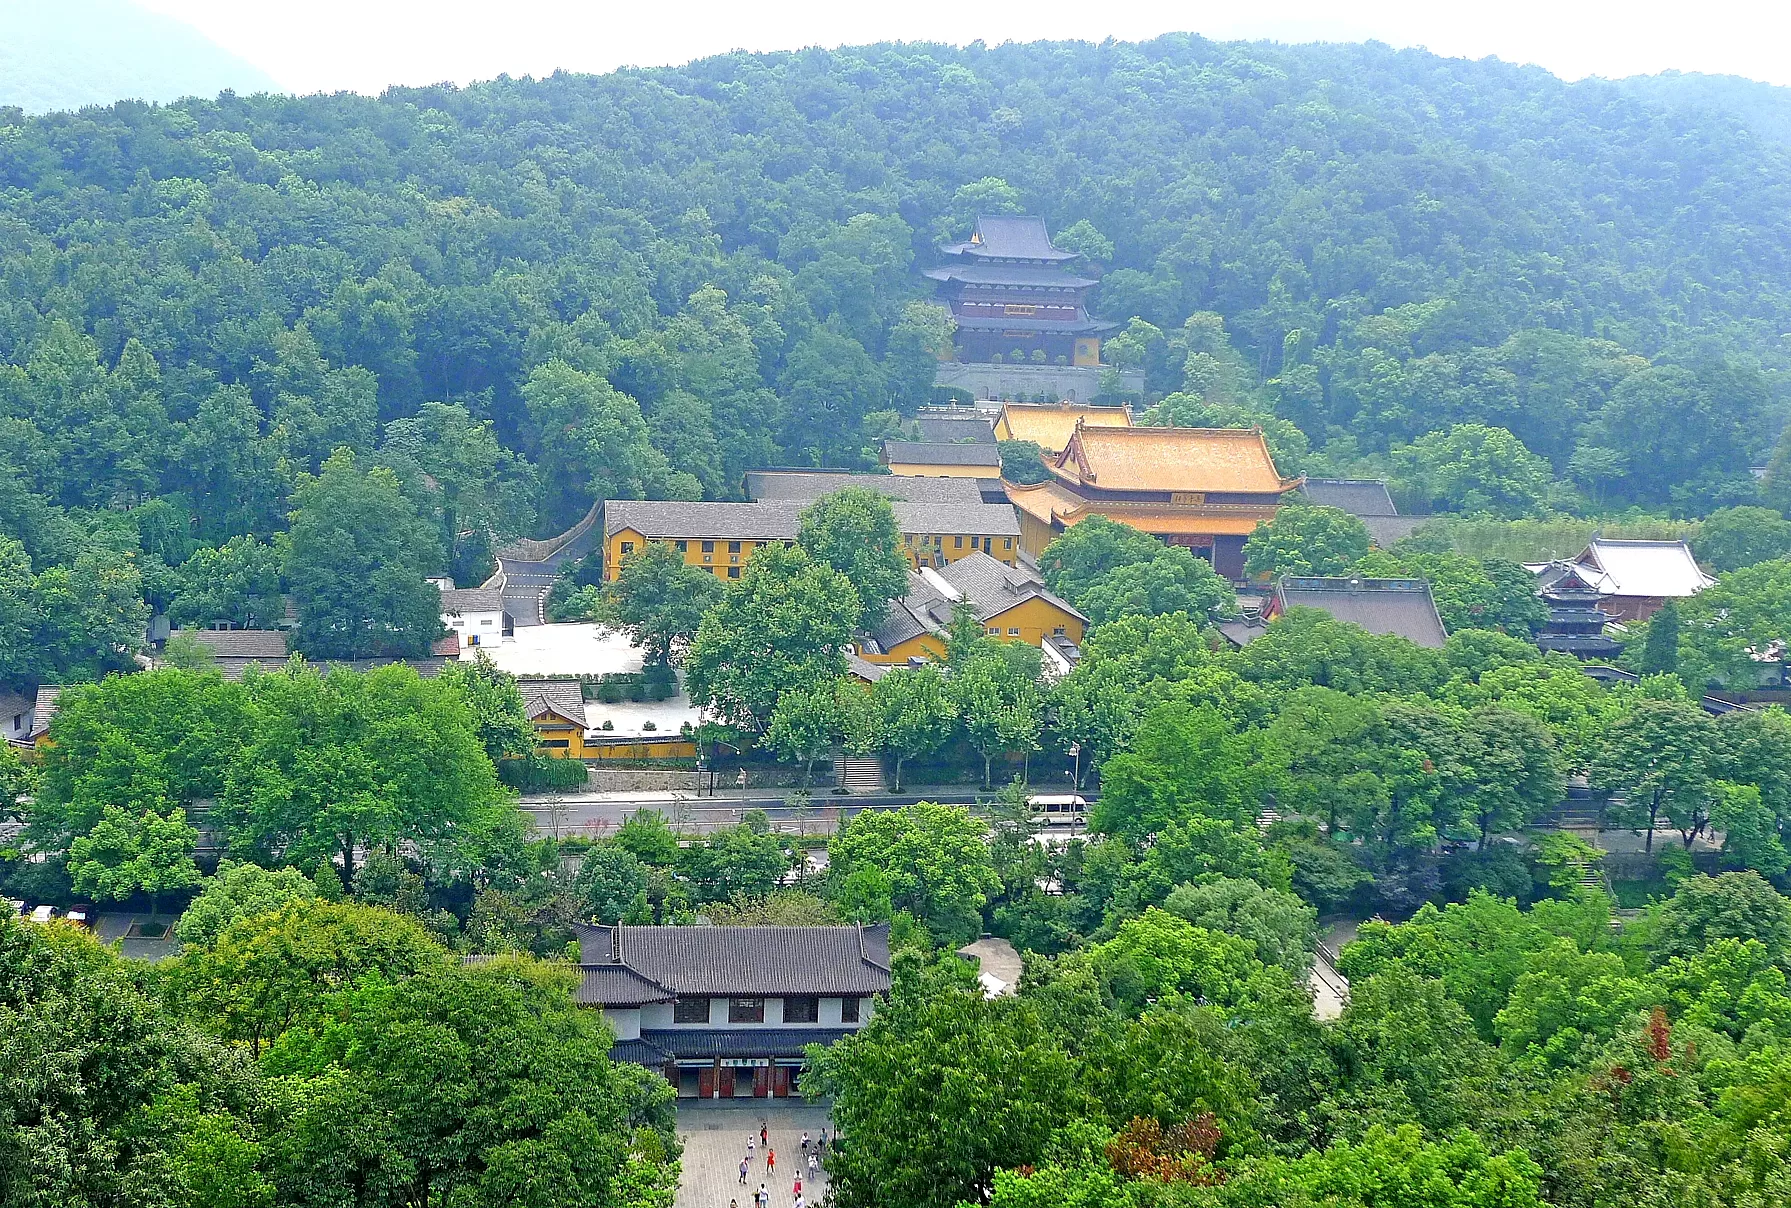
526 583
601 813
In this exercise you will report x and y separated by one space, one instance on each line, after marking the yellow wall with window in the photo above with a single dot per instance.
558 738
721 556
724 557
1035 619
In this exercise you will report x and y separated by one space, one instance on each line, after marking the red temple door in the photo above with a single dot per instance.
761 1082
727 1081
706 1082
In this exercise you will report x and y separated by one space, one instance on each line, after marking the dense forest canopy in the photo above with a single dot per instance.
1510 293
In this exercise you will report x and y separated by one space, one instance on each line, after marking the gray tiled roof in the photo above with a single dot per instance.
954 429
999 275
242 643
1385 606
1384 531
806 486
782 520
987 584
565 697
748 961
936 453
1357 496
234 668
993 586
739 1042
44 708
473 599
617 986
640 1052
1069 327
869 672
1011 237
665 519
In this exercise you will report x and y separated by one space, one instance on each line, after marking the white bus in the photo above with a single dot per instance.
1058 809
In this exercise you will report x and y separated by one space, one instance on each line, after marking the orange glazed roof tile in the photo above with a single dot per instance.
1050 425
1053 503
1172 459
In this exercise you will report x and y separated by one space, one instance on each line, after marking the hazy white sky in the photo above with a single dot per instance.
364 45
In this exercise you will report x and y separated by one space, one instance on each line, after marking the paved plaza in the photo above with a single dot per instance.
714 1135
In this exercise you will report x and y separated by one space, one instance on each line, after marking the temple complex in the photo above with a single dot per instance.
1203 488
1015 297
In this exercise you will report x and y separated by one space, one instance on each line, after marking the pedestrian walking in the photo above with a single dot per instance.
763 1198
814 1164
764 1134
771 1161
750 1142
743 1165
798 1203
805 1140
797 1190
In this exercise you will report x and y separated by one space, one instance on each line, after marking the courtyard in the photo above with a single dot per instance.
714 1133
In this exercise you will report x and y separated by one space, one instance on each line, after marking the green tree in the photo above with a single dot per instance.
1022 462
344 763
996 697
356 556
934 858
1305 540
737 861
429 1070
265 972
807 723
783 625
1473 468
1089 550
1182 760
499 714
1282 927
1724 626
123 854
1509 772
1173 581
661 599
913 712
238 891
238 582
1732 538
1095 709
609 881
1657 758
1660 649
854 532
1734 905
902 1087
593 442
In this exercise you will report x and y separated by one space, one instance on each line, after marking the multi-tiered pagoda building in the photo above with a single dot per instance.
1017 298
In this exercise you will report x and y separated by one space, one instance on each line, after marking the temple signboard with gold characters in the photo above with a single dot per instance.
1203 488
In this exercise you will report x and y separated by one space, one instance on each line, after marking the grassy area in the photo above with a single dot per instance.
1634 895
1542 540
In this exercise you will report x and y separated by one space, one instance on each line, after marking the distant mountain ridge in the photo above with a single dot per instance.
1764 108
63 54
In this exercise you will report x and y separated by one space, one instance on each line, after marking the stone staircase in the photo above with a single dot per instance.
859 776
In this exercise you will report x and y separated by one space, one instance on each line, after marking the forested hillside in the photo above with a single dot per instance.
526 295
